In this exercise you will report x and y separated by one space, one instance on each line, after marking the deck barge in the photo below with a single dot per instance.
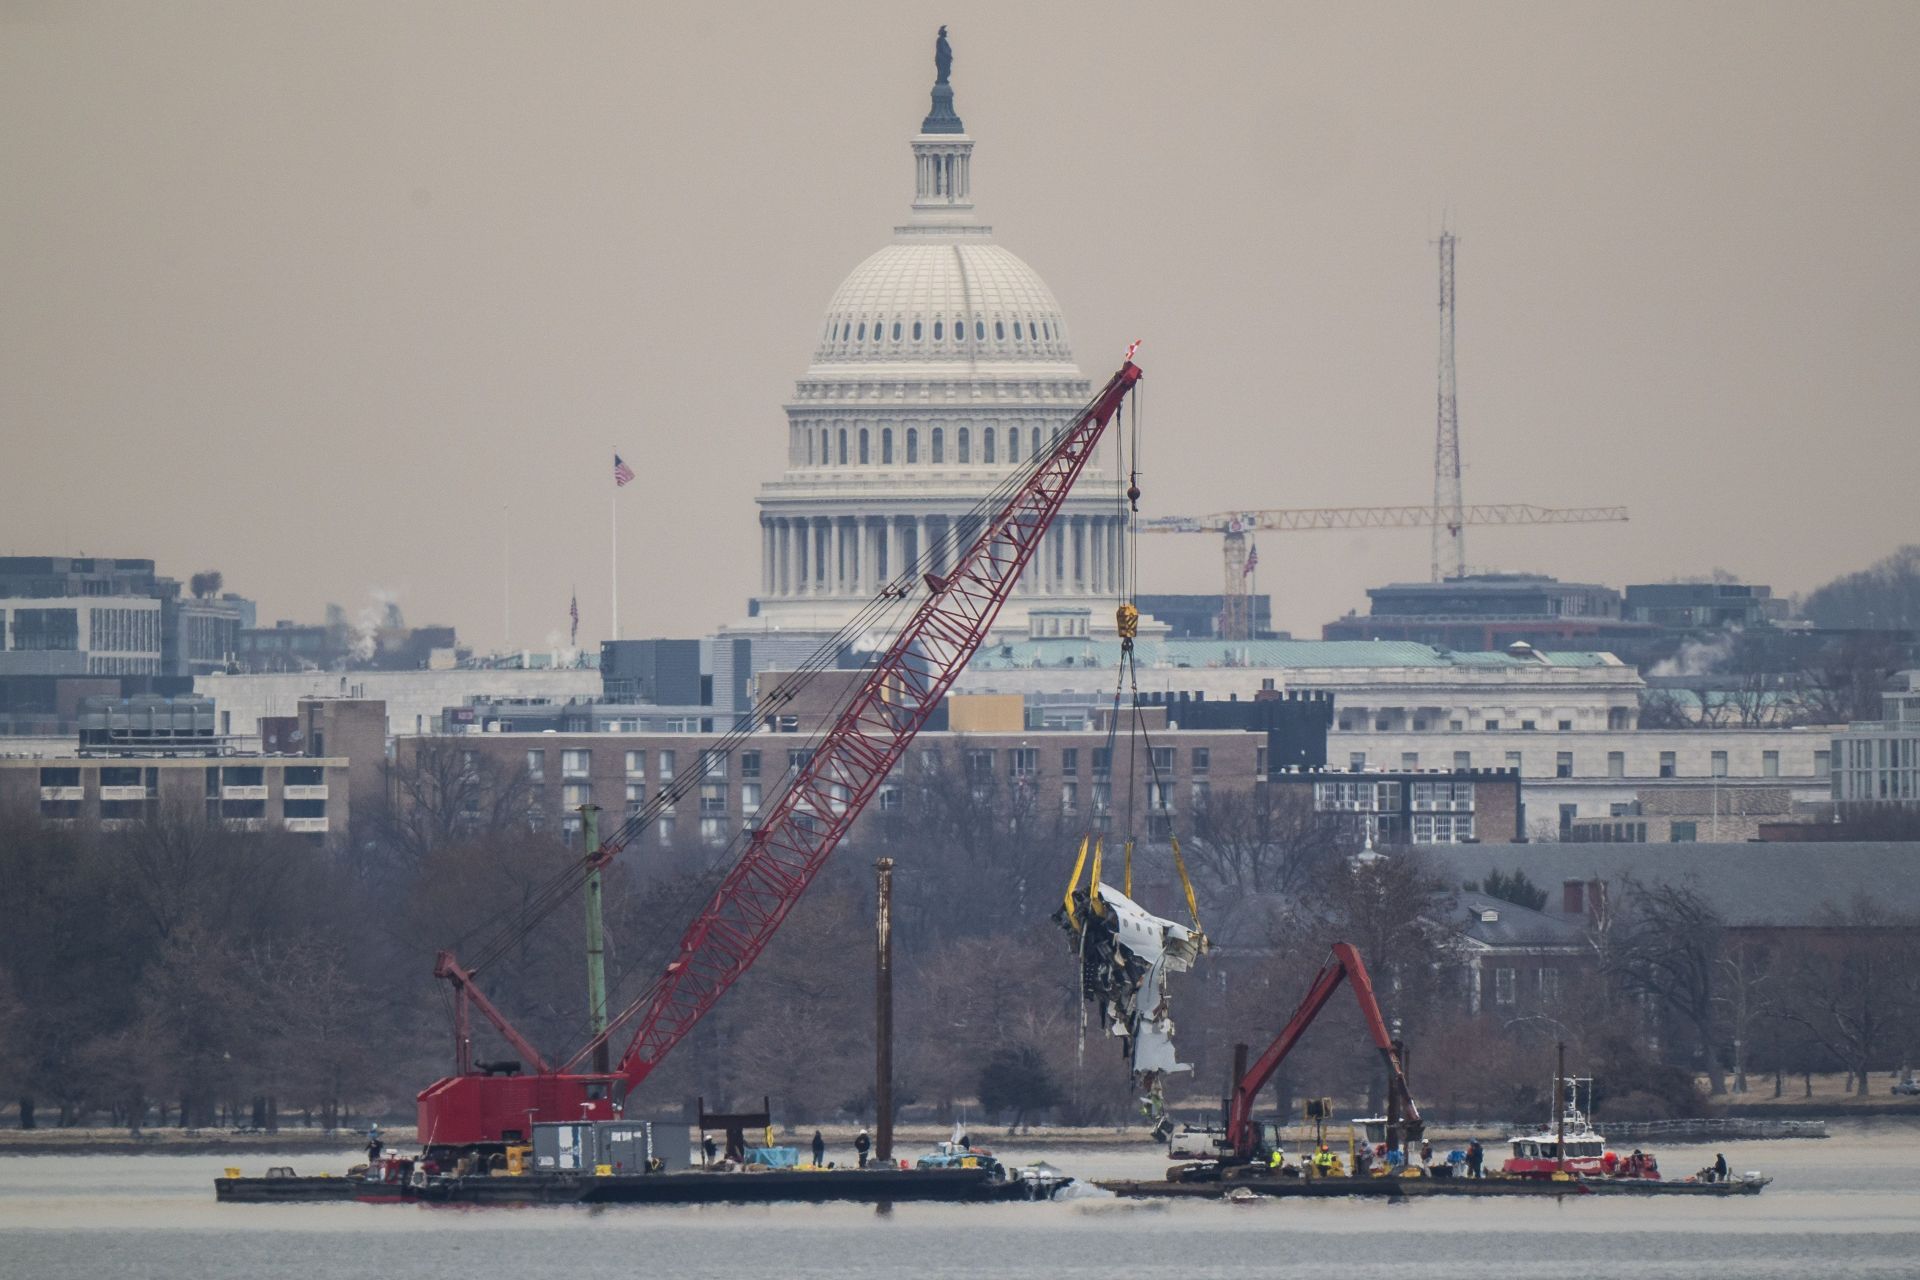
1418 1188
816 1186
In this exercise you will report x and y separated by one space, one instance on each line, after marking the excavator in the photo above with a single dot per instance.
1241 1147
486 1106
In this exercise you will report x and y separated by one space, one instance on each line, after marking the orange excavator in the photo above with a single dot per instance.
1243 1142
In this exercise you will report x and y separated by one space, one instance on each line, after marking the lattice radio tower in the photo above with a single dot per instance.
1449 539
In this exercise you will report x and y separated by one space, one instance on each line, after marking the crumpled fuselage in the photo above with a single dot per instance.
1126 955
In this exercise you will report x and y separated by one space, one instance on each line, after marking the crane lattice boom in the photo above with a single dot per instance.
801 827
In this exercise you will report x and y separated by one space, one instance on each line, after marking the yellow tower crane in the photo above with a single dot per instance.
1236 613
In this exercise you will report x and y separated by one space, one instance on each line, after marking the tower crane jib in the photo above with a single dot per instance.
1234 526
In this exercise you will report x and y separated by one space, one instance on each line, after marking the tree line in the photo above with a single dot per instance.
177 971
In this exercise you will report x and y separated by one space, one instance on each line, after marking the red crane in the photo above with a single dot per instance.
489 1104
1403 1117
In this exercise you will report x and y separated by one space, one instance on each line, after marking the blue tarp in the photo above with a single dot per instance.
774 1157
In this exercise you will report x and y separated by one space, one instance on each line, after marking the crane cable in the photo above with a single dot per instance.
1127 681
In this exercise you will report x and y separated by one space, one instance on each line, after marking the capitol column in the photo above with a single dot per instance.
1081 549
779 555
820 541
796 557
1097 571
856 556
837 557
766 556
790 535
869 556
856 566
1106 557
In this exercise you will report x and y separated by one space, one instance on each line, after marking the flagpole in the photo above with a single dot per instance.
506 579
613 560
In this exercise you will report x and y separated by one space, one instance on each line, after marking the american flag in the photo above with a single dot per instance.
573 611
622 473
1253 561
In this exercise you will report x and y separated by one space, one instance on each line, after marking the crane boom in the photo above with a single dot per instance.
1296 519
901 690
804 823
1235 610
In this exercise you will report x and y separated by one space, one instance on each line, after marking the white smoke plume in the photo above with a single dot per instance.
1697 657
381 611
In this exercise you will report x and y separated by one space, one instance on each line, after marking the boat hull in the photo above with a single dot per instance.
1417 1188
700 1187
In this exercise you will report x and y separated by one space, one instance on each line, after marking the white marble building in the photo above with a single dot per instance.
943 365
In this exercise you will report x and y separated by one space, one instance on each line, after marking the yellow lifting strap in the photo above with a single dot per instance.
1193 905
1126 886
1093 881
1079 865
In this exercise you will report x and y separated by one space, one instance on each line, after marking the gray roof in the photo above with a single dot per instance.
1515 926
1757 883
1257 921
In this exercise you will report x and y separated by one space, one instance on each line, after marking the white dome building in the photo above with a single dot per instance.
943 364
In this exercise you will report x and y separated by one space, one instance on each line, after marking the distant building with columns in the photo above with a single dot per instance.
943 365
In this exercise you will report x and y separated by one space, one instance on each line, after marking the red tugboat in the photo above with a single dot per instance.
1570 1147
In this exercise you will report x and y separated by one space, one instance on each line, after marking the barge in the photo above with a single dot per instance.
872 1185
953 1173
1413 1188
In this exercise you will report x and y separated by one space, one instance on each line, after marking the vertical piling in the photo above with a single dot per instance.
596 943
1560 1109
883 1013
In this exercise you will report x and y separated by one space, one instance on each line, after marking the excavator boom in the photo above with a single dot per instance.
1343 964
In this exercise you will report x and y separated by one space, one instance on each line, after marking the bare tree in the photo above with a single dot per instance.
1747 987
1758 701
444 792
1666 945
1884 596
1663 708
969 834
1854 992
1842 682
1265 839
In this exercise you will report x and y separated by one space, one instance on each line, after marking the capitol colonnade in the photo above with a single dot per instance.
840 556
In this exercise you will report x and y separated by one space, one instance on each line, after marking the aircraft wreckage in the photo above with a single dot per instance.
1126 954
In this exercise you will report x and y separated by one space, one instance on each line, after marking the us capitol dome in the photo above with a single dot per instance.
943 363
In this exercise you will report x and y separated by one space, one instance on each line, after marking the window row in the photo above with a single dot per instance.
886 446
878 331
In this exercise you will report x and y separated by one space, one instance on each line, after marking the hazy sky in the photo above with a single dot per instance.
340 297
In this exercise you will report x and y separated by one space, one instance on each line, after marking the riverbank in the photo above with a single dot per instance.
1829 1102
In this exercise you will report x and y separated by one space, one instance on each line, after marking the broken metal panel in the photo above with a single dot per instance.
1127 954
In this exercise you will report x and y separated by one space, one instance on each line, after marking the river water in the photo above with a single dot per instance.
1847 1206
